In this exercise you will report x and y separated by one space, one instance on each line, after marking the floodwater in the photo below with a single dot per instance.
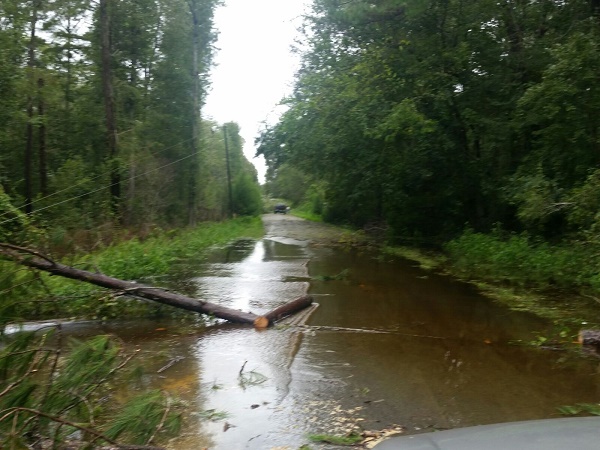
388 345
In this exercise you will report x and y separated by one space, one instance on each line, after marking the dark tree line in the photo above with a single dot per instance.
428 116
100 118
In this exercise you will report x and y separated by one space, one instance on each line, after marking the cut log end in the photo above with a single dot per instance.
32 258
589 337
261 322
282 311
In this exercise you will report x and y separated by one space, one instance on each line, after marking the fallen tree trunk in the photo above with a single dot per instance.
32 258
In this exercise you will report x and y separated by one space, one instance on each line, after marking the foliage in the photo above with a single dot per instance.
428 115
53 393
150 411
520 260
580 408
247 198
40 295
289 183
58 83
13 223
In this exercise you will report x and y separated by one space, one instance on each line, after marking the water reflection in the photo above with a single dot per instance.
389 344
267 276
446 360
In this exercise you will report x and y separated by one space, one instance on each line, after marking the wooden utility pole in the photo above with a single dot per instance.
230 194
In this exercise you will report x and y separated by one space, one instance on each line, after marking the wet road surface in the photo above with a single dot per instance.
388 345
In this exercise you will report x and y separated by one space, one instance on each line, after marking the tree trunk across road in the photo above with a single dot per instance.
32 258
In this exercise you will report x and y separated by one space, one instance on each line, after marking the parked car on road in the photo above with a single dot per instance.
280 208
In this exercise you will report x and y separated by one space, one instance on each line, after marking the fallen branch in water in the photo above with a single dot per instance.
34 259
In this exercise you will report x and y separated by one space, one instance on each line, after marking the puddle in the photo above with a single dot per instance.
387 345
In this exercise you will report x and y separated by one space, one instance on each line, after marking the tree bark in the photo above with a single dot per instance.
283 311
109 106
43 156
31 258
194 163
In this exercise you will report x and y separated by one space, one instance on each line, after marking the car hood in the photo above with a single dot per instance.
580 433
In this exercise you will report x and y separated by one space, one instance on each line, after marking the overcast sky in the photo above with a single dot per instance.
254 65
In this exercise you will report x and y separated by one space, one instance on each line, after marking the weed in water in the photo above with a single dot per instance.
343 275
580 408
350 439
251 378
213 415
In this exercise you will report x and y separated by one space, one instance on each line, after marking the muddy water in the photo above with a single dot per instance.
389 344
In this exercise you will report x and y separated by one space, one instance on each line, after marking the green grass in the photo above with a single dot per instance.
335 440
580 409
134 259
425 260
308 215
519 272
521 261
129 260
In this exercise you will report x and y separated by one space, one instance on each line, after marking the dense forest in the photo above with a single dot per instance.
429 115
100 119
468 125
105 160
472 126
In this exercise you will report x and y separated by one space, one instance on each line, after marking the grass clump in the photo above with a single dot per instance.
521 261
426 261
350 439
52 391
38 295
580 408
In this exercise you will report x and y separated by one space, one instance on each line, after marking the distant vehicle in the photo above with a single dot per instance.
580 433
280 208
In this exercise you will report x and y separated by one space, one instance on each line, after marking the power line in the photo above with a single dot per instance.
100 176
109 186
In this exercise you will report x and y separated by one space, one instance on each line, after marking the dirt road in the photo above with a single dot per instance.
313 233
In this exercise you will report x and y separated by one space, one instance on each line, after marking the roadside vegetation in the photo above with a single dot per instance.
54 391
55 394
32 295
469 128
441 128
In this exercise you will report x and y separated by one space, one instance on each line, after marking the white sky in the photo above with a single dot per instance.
254 65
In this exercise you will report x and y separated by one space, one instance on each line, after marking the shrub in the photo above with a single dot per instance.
521 261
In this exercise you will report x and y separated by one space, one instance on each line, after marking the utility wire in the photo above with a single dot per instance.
100 176
106 187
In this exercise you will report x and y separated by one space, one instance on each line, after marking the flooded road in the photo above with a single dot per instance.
388 345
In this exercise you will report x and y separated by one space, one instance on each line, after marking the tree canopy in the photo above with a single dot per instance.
100 119
429 115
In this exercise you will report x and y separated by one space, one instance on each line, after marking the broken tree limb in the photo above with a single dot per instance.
34 259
